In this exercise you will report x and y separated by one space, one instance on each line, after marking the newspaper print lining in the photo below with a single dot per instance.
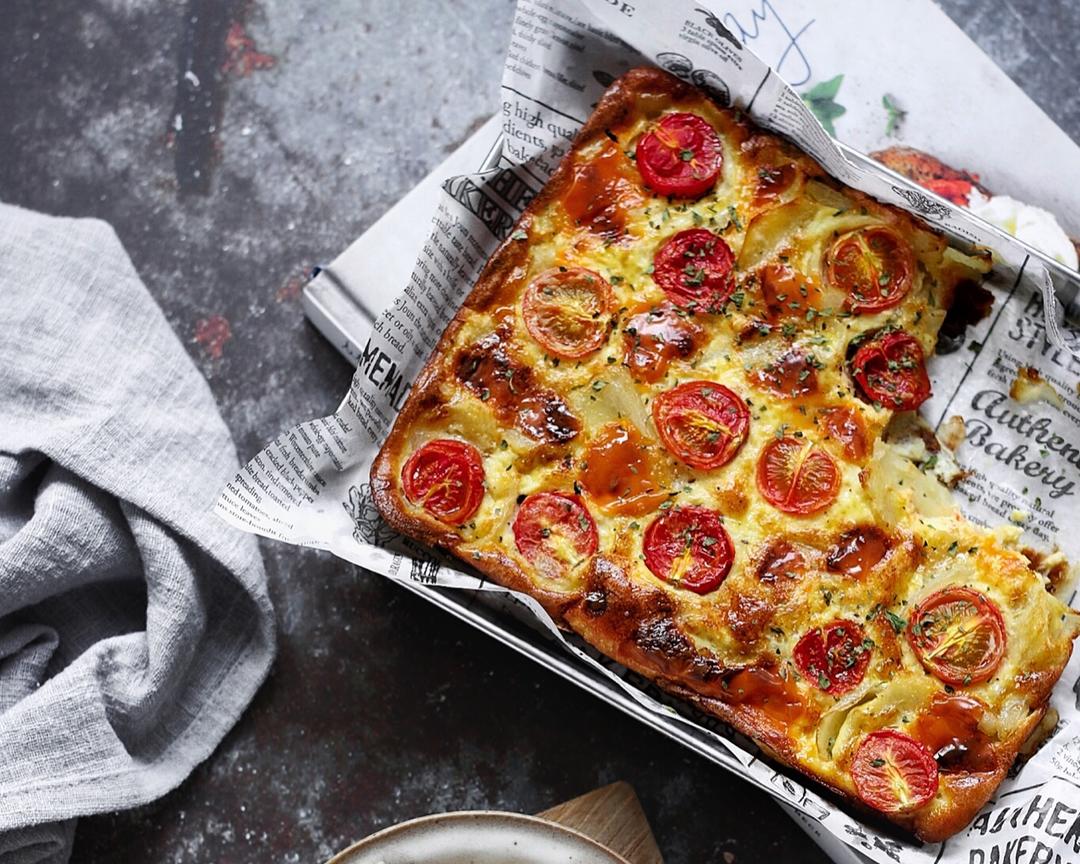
308 486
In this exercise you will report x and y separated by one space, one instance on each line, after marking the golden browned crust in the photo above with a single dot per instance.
631 622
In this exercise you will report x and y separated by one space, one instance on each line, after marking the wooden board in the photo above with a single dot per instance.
612 816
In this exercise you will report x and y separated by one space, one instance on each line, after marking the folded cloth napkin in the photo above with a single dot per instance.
134 626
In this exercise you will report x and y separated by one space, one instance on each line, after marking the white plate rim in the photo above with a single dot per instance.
345 855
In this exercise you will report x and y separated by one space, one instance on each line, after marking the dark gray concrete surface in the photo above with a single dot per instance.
297 130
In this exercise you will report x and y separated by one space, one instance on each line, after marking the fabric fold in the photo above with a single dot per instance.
135 627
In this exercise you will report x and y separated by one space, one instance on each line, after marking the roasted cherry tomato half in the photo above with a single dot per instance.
689 547
702 423
958 635
566 311
890 371
681 156
833 657
554 532
873 266
796 476
694 268
893 772
446 478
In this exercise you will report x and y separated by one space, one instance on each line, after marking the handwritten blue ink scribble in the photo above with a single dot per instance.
798 71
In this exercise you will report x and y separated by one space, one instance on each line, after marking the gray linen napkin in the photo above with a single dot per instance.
134 626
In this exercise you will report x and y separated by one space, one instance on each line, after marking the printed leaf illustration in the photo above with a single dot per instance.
896 114
821 99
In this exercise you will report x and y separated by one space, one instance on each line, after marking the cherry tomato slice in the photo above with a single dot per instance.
893 772
446 478
694 268
680 157
890 371
702 423
846 427
958 635
873 266
554 532
620 473
689 547
657 335
566 311
796 476
789 376
833 657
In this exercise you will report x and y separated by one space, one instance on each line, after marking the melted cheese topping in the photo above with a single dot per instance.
614 227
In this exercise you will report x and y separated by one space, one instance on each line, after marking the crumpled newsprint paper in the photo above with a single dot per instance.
310 486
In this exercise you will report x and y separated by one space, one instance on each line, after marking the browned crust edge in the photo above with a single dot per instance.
670 665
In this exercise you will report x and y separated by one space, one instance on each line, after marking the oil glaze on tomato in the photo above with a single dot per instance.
872 266
833 658
890 370
958 635
702 423
694 269
796 476
566 310
446 478
554 532
893 772
690 548
681 156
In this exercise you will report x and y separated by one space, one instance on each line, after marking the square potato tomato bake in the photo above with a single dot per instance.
676 409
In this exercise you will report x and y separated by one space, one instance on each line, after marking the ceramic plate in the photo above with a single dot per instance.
477 838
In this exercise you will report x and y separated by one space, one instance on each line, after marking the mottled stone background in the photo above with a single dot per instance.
299 127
